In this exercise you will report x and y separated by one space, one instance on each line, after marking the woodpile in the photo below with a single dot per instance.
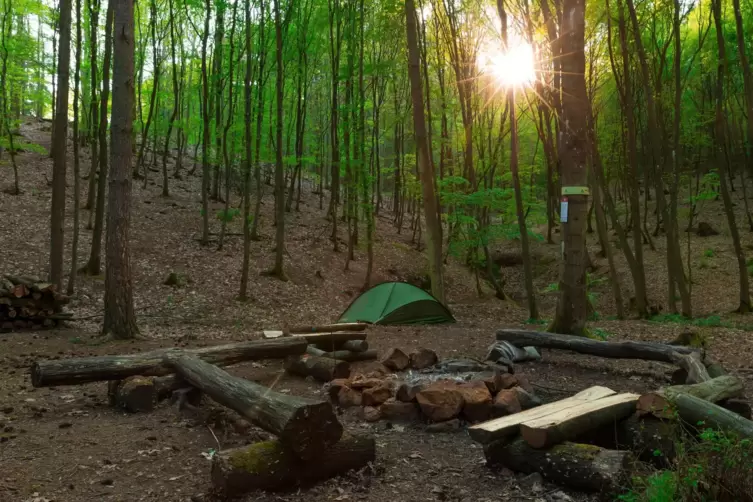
29 303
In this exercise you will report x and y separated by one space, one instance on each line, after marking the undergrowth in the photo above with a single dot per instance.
712 321
715 467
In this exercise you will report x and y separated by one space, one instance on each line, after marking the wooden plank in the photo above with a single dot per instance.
500 427
571 422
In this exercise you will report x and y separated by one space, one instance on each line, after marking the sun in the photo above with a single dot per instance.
511 68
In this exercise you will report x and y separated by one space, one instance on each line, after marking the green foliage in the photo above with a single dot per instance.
708 253
228 216
713 321
600 333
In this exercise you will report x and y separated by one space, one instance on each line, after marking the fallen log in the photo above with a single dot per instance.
693 366
651 440
303 425
134 394
579 466
343 355
694 411
499 428
93 369
351 345
620 350
326 340
569 423
322 369
346 326
659 403
270 466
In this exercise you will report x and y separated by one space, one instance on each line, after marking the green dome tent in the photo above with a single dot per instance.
396 303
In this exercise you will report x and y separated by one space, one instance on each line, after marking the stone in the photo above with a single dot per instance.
446 426
533 482
526 399
492 380
371 414
348 397
477 401
360 383
399 411
523 382
506 403
423 358
335 386
396 360
440 401
407 392
374 396
508 381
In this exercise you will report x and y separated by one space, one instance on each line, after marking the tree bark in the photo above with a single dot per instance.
205 128
579 466
431 215
718 389
572 305
59 149
304 426
697 412
270 466
278 270
82 370
243 294
747 82
626 350
76 163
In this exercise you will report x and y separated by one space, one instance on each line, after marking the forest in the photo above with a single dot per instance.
175 173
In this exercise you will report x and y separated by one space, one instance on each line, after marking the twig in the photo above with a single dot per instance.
219 448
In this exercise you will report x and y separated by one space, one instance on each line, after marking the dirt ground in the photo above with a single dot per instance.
66 444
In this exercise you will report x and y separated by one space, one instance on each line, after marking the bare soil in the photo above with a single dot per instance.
67 444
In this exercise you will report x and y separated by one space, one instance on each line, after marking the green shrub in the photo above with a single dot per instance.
708 253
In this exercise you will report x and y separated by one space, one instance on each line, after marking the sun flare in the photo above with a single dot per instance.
511 68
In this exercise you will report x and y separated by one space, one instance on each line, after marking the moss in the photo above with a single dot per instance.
579 449
256 457
688 338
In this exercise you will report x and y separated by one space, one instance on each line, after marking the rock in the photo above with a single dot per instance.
477 401
361 383
446 426
399 411
492 380
335 386
348 397
423 358
374 396
396 360
506 403
526 399
706 230
533 482
522 381
371 414
508 381
407 392
440 401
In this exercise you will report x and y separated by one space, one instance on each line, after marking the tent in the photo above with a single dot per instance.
396 303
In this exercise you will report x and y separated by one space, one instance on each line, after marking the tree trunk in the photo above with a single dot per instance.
120 318
747 82
152 97
572 305
694 411
335 44
243 294
744 305
59 147
304 426
578 466
259 119
278 270
82 370
93 7
76 166
431 215
205 128
270 466
95 258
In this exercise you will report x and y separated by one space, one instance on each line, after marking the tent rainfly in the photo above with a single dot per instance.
396 303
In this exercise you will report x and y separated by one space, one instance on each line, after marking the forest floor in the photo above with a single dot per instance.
66 444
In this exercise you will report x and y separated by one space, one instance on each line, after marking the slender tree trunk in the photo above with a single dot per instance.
176 104
243 295
120 319
205 132
230 113
93 6
278 270
217 71
747 82
76 173
335 41
95 258
59 147
153 96
259 120
433 235
744 306
7 17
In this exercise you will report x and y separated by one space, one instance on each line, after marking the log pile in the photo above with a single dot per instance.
29 303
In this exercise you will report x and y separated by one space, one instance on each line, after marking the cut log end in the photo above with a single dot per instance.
134 394
270 466
314 417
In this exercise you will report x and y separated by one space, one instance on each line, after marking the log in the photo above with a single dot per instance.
326 328
269 466
322 369
579 466
354 346
500 428
694 411
304 426
324 340
619 350
693 366
569 423
134 394
92 369
718 389
343 355
651 439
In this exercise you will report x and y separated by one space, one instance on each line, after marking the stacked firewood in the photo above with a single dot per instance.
29 303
